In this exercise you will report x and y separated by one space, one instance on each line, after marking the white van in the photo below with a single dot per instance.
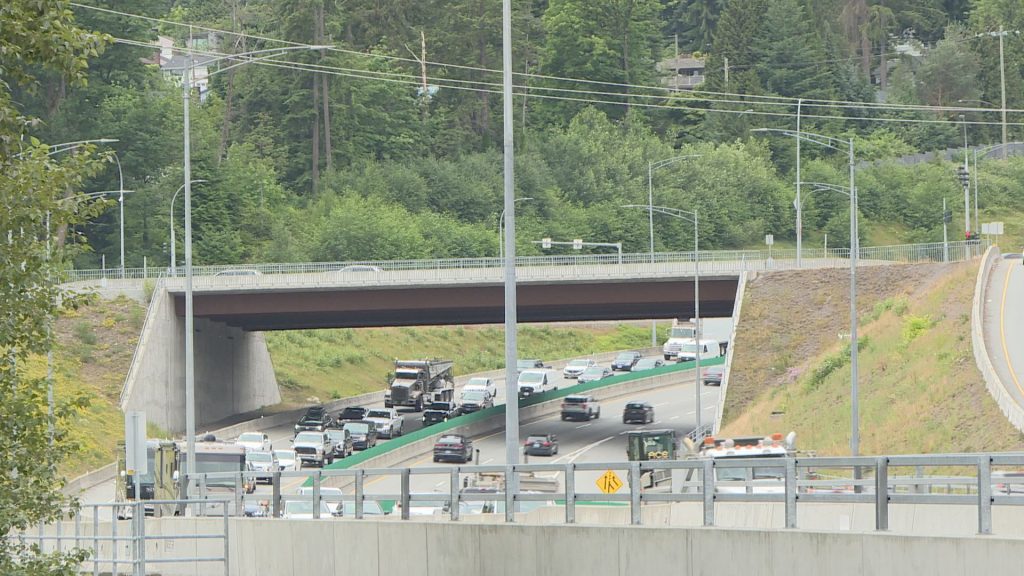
708 349
532 382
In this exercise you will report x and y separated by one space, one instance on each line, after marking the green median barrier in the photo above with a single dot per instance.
440 428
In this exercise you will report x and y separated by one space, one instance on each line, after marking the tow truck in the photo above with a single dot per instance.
768 479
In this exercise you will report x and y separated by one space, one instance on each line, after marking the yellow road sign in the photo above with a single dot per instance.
609 482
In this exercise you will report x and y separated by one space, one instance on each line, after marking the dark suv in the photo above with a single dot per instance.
364 434
641 412
541 445
453 448
315 419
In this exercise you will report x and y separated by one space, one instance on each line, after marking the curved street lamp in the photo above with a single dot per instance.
689 216
840 145
190 374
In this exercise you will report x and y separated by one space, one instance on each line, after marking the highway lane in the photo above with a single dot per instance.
1004 324
281 436
600 440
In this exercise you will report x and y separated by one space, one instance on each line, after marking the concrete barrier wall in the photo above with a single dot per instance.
993 382
741 291
337 547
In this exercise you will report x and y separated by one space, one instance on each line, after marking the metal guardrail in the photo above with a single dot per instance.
731 261
789 480
126 524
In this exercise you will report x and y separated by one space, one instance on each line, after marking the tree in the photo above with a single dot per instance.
34 35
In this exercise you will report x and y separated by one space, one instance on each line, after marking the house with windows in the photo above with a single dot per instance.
684 72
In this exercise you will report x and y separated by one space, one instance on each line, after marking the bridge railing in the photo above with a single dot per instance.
710 262
978 480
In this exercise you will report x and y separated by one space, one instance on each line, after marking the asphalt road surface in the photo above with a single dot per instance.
1004 324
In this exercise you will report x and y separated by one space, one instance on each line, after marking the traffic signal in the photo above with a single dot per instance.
963 175
947 216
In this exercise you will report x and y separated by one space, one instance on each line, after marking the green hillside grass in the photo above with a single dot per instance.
326 364
920 391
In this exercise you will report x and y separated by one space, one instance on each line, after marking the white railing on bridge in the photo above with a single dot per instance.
711 262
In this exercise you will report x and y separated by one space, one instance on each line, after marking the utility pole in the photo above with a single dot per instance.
1002 86
947 216
965 181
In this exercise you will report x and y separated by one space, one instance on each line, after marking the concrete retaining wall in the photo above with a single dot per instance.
233 370
993 383
741 291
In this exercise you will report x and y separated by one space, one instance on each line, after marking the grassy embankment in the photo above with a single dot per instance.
327 364
920 390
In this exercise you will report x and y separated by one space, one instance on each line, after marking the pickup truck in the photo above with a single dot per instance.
387 421
440 412
313 447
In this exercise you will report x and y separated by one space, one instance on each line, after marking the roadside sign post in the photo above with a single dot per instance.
136 464
769 239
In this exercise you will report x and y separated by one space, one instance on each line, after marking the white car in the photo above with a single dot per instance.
254 441
576 367
287 460
388 422
481 383
303 510
328 494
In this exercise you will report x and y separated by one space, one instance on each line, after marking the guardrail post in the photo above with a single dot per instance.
114 543
360 474
882 493
202 495
510 500
453 486
635 514
239 482
95 541
316 494
570 493
275 497
984 494
405 494
227 546
791 489
141 539
708 488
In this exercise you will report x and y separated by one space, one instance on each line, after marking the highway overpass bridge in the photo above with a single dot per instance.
234 305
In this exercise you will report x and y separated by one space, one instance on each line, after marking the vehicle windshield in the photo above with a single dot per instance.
353 412
285 454
575 400
305 507
450 440
370 508
536 438
625 357
682 333
523 364
439 406
378 414
259 457
634 406
578 363
595 371
357 427
312 437
208 463
531 377
335 434
251 437
483 382
645 364
692 347
311 420
474 396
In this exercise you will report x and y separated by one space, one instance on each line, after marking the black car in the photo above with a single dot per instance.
541 445
315 419
440 412
352 413
364 434
625 360
641 412
453 448
341 440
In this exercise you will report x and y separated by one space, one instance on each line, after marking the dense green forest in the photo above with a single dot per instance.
388 144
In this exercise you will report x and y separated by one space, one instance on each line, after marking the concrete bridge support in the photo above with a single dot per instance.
233 370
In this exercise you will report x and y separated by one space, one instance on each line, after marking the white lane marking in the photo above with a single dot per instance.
572 456
674 418
660 404
440 484
488 461
691 412
583 426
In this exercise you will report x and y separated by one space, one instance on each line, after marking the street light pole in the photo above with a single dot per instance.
190 375
650 216
120 202
799 206
966 182
836 144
